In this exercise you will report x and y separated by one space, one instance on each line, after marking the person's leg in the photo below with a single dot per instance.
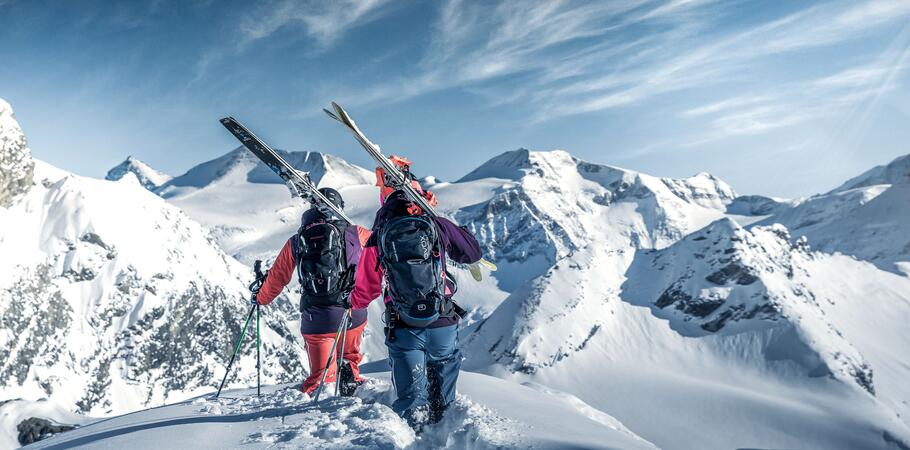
318 347
352 349
443 365
406 354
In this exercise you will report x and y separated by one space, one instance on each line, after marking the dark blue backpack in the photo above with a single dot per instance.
410 256
321 264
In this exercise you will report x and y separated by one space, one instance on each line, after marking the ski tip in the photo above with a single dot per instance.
475 272
226 119
489 265
331 114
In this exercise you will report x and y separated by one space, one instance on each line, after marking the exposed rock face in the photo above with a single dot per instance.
34 429
16 164
728 280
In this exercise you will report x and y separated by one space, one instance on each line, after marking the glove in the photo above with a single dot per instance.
431 198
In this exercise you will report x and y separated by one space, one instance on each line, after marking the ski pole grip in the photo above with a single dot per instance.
257 267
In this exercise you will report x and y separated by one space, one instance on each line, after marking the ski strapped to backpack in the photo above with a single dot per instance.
319 247
297 181
400 180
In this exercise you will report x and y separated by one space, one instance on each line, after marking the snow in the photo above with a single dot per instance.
695 317
867 217
488 413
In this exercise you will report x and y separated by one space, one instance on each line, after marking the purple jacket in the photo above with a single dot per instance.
458 244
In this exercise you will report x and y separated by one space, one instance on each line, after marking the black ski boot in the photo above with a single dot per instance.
347 383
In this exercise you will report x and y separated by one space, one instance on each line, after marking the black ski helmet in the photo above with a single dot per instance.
333 196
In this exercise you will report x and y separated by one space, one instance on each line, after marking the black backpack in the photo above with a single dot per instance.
409 254
322 265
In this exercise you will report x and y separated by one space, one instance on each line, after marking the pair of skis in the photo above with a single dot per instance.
302 186
399 179
298 182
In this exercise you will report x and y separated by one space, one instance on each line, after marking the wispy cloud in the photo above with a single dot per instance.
323 21
574 58
551 42
839 24
836 95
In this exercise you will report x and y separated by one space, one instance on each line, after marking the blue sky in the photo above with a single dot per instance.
784 98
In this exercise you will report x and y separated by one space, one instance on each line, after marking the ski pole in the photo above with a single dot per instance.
258 367
328 362
340 359
236 349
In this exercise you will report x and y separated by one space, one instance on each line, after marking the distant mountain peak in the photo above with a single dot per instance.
149 177
895 172
241 166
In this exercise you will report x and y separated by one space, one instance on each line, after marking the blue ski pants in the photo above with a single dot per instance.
425 364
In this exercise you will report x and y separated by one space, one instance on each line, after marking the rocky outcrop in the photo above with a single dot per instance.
34 429
16 164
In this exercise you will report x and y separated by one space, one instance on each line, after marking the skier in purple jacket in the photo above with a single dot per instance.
425 359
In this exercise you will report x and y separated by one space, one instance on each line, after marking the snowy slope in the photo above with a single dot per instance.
726 327
489 413
149 177
867 217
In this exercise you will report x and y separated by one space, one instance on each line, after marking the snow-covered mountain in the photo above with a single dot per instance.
632 284
531 209
241 165
867 217
149 177
129 306
246 206
619 294
112 300
568 234
726 323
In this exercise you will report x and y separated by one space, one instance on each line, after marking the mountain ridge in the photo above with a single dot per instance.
149 177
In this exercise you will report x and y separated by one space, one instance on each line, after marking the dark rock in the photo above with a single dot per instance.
722 319
732 272
701 307
671 296
35 429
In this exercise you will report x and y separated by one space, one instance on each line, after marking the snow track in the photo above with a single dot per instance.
489 414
